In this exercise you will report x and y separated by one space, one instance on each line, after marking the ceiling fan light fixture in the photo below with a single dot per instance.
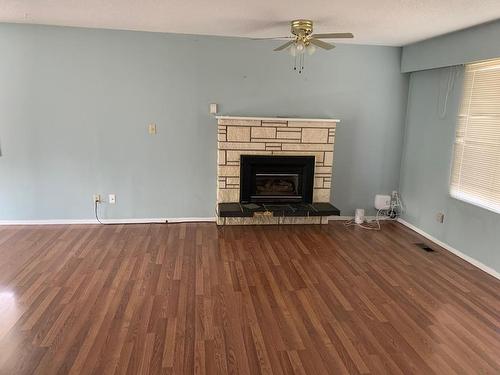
310 49
300 46
304 42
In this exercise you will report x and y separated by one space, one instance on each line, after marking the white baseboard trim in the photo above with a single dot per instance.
458 253
339 218
367 218
108 221
192 219
144 220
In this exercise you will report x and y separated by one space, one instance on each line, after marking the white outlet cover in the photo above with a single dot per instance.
112 198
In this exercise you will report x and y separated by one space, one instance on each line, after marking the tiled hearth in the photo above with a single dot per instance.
273 136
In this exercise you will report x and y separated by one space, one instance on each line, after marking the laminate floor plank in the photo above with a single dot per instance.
198 299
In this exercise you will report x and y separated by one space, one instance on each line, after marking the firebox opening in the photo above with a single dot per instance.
276 179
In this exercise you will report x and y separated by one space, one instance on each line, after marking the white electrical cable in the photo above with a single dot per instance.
398 205
96 213
364 226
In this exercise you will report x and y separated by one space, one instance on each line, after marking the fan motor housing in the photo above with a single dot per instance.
302 27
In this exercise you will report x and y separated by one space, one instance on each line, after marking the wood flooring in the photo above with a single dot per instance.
197 299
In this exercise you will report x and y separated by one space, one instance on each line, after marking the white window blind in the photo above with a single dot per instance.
475 176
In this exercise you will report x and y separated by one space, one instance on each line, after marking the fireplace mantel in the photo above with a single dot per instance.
277 119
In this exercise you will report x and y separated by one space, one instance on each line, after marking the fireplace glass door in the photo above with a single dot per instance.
276 179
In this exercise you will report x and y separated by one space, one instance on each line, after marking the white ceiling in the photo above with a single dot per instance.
386 22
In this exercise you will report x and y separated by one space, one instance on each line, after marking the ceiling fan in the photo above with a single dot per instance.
304 41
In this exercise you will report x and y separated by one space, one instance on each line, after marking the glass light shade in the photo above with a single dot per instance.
310 49
300 47
293 50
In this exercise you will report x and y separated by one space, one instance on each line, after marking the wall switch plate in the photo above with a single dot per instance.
152 129
112 198
440 217
213 108
96 198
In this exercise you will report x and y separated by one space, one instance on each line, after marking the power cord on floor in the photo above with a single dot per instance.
393 213
365 225
96 212
96 203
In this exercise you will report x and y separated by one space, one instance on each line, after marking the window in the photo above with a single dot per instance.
475 176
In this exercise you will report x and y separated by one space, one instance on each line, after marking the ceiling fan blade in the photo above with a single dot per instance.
275 38
321 44
333 35
283 46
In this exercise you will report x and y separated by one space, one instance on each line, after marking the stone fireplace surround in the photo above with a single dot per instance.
273 136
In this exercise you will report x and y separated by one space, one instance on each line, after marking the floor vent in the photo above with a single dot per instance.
423 246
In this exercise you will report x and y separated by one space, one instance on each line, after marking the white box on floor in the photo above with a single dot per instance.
382 202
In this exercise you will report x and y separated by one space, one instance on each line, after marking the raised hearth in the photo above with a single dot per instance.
277 210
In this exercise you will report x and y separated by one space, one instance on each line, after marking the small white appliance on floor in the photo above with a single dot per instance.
359 216
382 202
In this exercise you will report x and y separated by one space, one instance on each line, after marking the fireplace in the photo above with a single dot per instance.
274 170
276 179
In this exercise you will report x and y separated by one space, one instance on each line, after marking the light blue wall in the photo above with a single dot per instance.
476 43
425 170
75 104
428 142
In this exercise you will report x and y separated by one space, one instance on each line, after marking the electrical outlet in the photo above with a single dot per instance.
96 198
112 198
152 129
440 217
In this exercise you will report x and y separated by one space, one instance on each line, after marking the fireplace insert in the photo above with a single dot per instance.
276 179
